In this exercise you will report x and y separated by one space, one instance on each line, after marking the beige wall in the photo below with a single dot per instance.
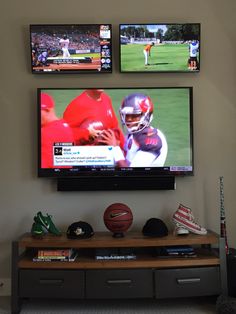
23 194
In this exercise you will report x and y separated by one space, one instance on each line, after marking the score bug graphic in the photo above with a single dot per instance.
118 218
57 151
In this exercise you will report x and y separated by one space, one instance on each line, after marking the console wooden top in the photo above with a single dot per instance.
105 239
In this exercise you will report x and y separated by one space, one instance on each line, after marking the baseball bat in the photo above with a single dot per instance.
223 232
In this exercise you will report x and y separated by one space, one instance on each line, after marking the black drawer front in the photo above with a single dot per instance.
187 282
119 283
51 283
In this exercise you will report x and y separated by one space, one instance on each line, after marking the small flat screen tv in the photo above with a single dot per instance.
71 48
160 47
137 135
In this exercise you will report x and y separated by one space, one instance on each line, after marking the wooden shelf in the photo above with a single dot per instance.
105 240
140 262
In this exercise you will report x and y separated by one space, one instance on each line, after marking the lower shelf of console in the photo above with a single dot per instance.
119 283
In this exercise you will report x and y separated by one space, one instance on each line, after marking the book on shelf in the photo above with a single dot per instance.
50 256
178 255
179 249
114 254
115 257
54 252
184 251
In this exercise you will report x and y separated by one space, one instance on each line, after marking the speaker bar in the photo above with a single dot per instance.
116 183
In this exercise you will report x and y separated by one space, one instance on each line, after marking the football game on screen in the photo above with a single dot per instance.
104 129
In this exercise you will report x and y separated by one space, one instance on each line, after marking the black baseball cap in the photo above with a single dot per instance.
155 227
80 230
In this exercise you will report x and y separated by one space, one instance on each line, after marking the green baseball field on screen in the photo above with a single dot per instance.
171 115
164 57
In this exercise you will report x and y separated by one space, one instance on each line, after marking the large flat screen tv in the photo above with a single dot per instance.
132 135
71 48
160 47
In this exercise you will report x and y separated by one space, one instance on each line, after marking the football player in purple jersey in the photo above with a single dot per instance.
145 146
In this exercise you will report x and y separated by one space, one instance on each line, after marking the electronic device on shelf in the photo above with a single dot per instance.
169 47
71 48
86 166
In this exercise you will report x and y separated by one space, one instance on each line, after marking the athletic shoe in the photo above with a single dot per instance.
47 223
37 230
180 230
184 217
185 212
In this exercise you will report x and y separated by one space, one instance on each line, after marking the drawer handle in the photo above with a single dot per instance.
119 282
188 280
51 281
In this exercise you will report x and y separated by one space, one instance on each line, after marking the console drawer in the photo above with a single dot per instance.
119 283
185 282
51 283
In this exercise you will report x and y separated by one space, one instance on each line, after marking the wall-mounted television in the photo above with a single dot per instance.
71 48
160 47
115 138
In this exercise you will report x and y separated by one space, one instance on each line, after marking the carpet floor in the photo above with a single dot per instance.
203 305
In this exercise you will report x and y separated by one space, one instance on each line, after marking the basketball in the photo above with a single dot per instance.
118 218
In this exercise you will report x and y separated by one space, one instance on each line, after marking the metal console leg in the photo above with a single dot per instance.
15 299
223 266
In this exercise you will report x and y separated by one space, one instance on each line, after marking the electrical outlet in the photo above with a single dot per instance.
5 287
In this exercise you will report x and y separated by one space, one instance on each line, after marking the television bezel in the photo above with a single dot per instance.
71 71
117 173
156 71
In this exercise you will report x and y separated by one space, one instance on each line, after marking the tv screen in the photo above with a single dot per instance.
160 47
115 132
71 48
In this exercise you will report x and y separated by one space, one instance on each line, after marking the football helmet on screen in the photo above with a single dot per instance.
136 112
94 127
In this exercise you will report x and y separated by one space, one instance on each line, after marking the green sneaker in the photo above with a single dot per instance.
37 230
47 223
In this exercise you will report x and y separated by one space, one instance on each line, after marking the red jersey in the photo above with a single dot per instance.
57 131
84 108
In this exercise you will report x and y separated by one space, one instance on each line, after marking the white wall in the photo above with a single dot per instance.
23 194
